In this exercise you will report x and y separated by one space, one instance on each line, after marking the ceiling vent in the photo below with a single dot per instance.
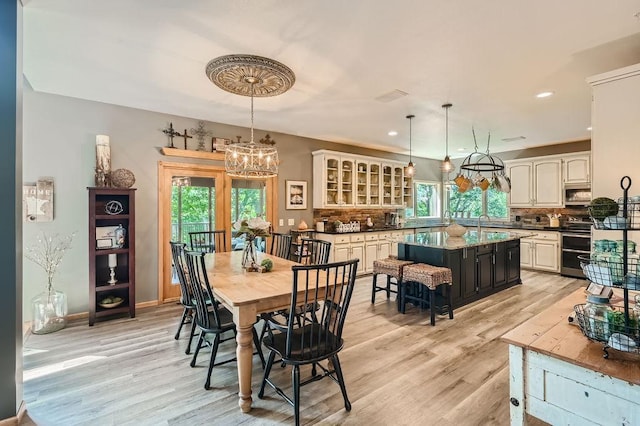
513 139
391 96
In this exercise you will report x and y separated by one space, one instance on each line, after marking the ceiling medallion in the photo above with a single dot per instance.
268 77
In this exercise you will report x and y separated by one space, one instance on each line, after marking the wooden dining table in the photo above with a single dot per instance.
247 294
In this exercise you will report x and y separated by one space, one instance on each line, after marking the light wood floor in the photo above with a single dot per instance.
398 369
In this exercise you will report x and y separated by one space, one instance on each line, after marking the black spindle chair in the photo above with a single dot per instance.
317 338
186 297
313 252
214 319
208 241
280 245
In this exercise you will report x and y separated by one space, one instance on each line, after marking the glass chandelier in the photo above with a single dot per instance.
249 75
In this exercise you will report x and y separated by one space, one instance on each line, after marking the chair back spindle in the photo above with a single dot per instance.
208 241
201 289
314 252
280 245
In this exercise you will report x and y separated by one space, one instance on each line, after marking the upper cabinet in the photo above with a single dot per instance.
345 180
539 182
536 183
576 168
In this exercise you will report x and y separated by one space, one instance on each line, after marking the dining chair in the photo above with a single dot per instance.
318 337
313 252
208 241
211 319
186 297
280 245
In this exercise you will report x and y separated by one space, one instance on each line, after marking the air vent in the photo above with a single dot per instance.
391 96
513 139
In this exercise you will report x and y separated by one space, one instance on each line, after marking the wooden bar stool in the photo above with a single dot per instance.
430 277
392 268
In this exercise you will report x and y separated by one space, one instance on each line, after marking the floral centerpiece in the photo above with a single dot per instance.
49 308
251 228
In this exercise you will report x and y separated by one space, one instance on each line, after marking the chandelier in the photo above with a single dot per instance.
253 76
446 163
410 169
181 181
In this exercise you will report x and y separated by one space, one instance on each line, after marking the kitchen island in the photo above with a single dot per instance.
481 263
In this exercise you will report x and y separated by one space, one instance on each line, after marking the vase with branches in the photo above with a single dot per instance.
251 228
49 308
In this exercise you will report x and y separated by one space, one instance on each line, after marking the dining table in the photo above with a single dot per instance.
247 294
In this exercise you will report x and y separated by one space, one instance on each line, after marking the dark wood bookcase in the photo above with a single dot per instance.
109 208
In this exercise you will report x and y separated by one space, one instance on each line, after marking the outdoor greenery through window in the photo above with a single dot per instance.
476 202
426 200
192 208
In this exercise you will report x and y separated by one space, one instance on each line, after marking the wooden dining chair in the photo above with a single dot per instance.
208 241
280 245
211 319
186 297
318 338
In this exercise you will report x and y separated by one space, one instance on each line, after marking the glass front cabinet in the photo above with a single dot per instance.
344 180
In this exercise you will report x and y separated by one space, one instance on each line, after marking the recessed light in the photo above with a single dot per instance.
392 133
544 94
589 128
461 149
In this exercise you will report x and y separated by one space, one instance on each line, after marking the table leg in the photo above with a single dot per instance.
244 353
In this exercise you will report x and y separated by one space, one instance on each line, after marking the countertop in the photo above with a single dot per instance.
441 240
550 333
468 223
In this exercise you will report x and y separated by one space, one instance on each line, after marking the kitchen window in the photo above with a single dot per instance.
476 202
426 200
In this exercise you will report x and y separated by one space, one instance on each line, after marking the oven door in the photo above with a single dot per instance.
574 245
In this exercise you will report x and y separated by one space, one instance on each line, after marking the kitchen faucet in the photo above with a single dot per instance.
479 227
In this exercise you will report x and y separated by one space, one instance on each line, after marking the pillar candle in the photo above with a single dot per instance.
103 154
113 260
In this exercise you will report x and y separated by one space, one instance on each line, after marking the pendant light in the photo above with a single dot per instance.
410 170
446 164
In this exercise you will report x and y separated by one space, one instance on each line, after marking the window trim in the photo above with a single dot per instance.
484 202
439 195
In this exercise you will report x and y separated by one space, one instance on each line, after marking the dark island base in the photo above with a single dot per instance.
477 271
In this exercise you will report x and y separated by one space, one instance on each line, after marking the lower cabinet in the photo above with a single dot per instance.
541 252
513 262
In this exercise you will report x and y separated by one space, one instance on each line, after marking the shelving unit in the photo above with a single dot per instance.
614 273
108 209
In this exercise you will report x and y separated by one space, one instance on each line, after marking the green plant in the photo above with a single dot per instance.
267 263
602 207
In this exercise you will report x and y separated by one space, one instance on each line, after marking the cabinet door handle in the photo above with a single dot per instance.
493 259
509 255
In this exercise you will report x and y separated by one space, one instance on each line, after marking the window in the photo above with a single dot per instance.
476 202
248 199
426 200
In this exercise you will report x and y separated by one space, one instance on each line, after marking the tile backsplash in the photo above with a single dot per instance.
530 214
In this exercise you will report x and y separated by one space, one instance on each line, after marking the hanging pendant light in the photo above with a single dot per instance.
446 163
249 75
410 170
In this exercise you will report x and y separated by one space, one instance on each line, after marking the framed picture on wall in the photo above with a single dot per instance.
296 194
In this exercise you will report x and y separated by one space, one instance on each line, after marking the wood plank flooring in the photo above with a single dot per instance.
398 369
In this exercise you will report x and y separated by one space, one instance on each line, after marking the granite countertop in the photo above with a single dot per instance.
443 241
468 223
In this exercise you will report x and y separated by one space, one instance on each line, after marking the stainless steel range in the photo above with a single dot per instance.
576 241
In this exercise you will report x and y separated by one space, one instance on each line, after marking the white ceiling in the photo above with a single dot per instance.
488 58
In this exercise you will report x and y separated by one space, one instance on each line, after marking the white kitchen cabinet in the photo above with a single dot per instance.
576 168
536 183
345 180
541 251
377 246
346 247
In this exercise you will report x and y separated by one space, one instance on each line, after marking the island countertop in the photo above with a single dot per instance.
441 240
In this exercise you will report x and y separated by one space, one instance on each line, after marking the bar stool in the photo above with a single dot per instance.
430 277
392 268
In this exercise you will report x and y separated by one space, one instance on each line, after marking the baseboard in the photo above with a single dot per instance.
26 326
15 420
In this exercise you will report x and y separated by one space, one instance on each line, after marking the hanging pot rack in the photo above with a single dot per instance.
480 162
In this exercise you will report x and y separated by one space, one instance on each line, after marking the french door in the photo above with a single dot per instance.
197 197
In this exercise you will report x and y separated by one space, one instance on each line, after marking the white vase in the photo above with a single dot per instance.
455 230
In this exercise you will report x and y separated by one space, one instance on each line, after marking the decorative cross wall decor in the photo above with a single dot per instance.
185 136
200 133
171 133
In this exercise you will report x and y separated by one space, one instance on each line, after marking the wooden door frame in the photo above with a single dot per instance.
166 170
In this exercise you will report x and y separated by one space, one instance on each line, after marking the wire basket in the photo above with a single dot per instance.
608 269
606 217
611 330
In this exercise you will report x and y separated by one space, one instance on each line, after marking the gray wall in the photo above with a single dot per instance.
59 141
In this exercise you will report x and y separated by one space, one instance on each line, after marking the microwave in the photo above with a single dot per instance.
577 194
